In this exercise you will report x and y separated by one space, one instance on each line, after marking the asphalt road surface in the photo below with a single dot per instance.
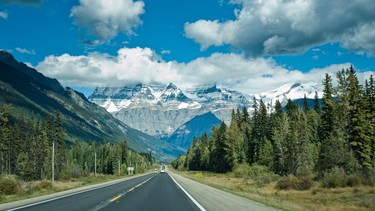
149 192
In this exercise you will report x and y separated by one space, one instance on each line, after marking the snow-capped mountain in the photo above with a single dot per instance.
159 110
291 91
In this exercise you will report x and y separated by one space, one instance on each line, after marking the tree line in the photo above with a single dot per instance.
338 132
26 151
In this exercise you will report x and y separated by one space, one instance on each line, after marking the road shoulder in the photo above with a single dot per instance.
214 199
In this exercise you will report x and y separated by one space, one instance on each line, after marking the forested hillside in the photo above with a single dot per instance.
338 134
26 150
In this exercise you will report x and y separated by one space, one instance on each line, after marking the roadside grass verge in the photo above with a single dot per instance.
265 191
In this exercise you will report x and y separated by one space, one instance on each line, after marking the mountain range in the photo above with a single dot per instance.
33 95
163 110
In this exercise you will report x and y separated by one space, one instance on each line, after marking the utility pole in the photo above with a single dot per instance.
119 167
95 163
53 161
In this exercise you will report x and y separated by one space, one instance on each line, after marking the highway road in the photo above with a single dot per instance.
155 191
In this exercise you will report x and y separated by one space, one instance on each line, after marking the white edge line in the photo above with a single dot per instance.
191 198
64 196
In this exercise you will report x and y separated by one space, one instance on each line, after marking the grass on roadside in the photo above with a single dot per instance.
263 189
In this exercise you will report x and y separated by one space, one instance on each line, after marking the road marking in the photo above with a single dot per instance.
106 203
114 199
191 198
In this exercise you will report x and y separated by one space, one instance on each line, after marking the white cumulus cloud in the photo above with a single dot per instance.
135 65
105 19
3 15
290 26
25 51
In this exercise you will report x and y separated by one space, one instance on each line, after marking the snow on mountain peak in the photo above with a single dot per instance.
171 97
292 91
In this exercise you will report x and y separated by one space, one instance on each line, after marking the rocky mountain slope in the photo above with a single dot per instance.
31 93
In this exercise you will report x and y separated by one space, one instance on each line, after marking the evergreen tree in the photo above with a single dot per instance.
221 142
205 152
234 147
58 138
305 104
280 135
195 157
360 128
266 154
333 151
316 104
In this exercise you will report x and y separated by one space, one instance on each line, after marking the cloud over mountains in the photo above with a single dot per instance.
134 65
274 27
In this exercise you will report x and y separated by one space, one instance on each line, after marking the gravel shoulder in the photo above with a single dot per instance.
214 199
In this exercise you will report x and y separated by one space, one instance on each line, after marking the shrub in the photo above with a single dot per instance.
286 183
304 183
44 184
353 180
333 178
9 185
241 171
368 179
260 174
296 183
71 171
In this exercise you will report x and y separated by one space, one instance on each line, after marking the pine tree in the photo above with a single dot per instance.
205 152
266 154
333 151
220 136
359 126
280 135
58 138
305 104
316 104
234 147
195 158
326 129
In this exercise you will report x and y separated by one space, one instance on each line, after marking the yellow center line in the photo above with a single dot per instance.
114 199
131 189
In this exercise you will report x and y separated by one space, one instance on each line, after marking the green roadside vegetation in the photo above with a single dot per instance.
33 151
262 186
319 158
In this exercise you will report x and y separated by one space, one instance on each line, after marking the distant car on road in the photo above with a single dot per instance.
162 169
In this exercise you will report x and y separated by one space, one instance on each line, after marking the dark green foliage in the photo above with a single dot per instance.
316 104
305 104
361 131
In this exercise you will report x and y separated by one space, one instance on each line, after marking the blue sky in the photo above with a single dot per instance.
233 43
